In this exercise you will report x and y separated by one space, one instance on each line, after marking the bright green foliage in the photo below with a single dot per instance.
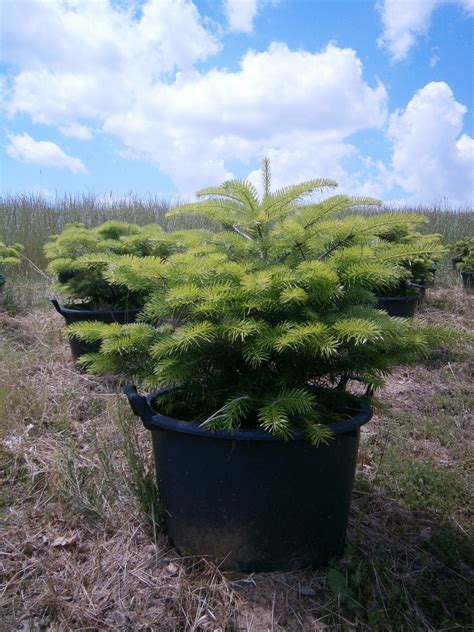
125 347
467 263
462 248
463 251
251 323
422 251
89 263
79 257
10 255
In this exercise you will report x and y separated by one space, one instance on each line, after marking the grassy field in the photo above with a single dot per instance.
82 547
31 219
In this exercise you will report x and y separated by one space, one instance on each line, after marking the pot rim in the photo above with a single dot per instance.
61 309
398 298
153 420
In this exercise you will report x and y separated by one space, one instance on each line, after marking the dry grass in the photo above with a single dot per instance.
82 551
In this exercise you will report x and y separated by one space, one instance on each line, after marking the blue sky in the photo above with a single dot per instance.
167 96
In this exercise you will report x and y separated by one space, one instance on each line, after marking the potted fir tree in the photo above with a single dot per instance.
79 257
463 260
403 300
81 282
466 270
9 255
461 249
252 340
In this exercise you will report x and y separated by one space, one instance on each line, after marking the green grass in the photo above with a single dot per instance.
30 219
76 463
423 485
82 523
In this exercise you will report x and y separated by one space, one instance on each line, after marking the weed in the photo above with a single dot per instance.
142 475
79 488
425 486
76 463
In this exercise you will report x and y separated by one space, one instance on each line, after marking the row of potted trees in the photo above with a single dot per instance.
80 259
463 260
250 337
9 255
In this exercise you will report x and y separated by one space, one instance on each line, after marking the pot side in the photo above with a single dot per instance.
71 315
247 500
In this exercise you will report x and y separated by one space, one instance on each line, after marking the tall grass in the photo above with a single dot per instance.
31 218
452 223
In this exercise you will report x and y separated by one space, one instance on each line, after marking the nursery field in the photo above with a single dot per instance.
31 219
82 546
81 550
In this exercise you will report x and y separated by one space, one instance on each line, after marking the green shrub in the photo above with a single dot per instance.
420 267
462 248
467 263
252 323
463 254
80 258
10 255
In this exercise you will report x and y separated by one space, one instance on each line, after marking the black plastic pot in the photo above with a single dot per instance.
78 347
421 291
248 500
467 279
2 281
455 261
398 305
64 277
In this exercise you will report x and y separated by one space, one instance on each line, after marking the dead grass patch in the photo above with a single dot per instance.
81 549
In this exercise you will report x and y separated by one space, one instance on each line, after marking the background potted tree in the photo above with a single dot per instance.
9 255
83 259
252 341
461 249
78 257
421 254
463 260
466 270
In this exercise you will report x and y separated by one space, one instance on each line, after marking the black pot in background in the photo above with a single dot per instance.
455 261
467 279
71 315
2 281
248 500
421 291
64 277
404 306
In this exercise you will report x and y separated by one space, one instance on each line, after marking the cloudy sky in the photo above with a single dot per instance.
167 96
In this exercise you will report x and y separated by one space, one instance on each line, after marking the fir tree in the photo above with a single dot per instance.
82 259
253 322
10 255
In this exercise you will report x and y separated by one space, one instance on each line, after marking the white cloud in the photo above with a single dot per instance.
240 14
431 159
44 153
278 99
406 20
76 130
72 35
84 63
82 58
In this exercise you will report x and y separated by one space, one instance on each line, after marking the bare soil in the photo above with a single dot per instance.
79 552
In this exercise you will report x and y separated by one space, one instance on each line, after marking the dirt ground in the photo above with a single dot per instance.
79 550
